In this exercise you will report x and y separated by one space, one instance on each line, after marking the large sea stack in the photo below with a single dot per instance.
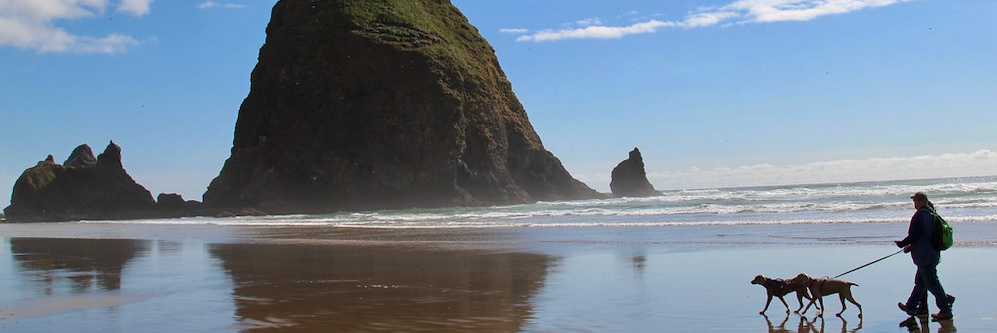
368 104
83 187
630 179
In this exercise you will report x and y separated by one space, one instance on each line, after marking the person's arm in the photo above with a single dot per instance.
913 232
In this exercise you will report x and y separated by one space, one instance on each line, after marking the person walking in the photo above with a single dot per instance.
926 257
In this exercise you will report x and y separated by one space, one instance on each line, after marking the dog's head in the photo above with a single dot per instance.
759 279
803 279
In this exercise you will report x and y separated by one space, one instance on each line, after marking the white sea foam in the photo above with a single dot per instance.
959 200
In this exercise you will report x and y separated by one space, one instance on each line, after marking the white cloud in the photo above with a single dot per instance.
706 19
800 10
212 4
589 21
980 163
740 11
31 24
135 7
7 181
514 31
596 32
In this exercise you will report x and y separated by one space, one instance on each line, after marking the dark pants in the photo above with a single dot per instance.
926 280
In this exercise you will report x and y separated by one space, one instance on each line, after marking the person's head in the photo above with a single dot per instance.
920 200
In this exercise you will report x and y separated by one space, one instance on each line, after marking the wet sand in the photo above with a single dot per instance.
202 278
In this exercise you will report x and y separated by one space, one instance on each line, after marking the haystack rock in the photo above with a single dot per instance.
630 179
82 188
368 104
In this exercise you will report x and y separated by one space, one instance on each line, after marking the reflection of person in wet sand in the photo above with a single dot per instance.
947 326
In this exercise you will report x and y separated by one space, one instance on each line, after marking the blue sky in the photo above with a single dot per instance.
715 93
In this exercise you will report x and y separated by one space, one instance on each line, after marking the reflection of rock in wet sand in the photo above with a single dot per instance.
343 289
84 262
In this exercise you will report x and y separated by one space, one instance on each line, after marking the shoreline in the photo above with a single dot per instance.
96 277
969 234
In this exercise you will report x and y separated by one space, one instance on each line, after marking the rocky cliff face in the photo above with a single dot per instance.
83 187
630 179
365 104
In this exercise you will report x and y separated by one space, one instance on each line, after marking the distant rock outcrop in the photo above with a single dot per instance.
84 188
367 104
174 205
82 157
630 179
170 201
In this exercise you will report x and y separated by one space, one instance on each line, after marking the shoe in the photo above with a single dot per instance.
903 307
950 299
909 322
941 316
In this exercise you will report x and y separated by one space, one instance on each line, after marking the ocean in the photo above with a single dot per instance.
680 262
967 199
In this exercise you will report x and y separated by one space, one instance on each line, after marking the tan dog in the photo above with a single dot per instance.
824 286
780 288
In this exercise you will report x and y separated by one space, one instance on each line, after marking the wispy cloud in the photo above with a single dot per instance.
589 21
514 31
31 24
980 163
800 10
7 180
212 4
135 7
596 32
740 12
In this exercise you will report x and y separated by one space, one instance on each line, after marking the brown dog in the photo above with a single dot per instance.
825 286
780 288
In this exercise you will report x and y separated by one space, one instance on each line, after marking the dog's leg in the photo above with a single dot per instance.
784 303
820 299
841 296
766 305
799 298
848 295
812 300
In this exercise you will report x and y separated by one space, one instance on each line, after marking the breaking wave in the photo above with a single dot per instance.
958 199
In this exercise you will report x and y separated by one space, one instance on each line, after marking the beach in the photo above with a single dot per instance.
121 277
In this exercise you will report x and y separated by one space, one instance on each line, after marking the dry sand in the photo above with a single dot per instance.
203 278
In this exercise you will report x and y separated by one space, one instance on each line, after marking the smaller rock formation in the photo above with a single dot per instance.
173 205
630 179
82 157
170 201
84 188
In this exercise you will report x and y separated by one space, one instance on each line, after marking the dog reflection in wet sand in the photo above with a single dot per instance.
779 288
821 287
806 325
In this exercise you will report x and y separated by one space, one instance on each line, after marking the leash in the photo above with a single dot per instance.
863 266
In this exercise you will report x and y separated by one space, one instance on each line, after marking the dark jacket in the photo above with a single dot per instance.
922 229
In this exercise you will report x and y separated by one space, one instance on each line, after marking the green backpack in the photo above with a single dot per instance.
942 239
